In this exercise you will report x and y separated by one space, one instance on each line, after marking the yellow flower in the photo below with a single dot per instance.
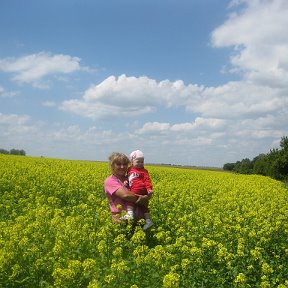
185 263
266 269
110 278
117 252
256 253
88 265
240 279
140 250
120 266
138 237
94 284
101 247
16 269
171 280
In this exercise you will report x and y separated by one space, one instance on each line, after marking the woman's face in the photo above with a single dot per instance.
120 168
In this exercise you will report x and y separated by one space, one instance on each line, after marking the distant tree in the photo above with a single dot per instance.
281 166
22 153
280 160
3 151
284 143
260 164
17 152
245 166
14 152
273 164
229 166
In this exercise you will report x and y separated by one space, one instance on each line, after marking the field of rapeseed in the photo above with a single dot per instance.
212 229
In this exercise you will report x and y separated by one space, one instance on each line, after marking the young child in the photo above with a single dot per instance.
139 183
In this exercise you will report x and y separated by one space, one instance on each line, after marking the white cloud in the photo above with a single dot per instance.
5 93
13 119
154 127
15 129
199 123
33 68
57 140
239 99
102 110
260 40
130 97
49 104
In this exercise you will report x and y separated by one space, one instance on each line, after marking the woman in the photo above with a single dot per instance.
116 191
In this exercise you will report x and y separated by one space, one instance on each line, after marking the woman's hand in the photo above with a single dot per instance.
150 193
142 200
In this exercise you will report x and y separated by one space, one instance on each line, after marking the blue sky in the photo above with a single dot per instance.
200 82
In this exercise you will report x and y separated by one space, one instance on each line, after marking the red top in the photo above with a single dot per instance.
139 180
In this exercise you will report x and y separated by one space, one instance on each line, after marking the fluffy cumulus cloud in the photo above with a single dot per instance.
15 129
196 126
5 93
130 97
33 68
258 36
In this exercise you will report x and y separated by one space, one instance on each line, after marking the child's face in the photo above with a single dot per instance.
138 163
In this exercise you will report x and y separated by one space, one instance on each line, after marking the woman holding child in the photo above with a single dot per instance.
116 190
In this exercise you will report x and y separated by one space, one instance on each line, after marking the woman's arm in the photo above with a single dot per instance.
128 196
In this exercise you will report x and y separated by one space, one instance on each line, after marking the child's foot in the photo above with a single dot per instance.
148 224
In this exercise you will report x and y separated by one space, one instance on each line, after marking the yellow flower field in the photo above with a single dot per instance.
212 229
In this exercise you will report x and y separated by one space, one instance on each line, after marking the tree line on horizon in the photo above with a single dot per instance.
273 164
13 152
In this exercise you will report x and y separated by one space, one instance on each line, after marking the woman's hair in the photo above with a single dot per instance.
118 157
